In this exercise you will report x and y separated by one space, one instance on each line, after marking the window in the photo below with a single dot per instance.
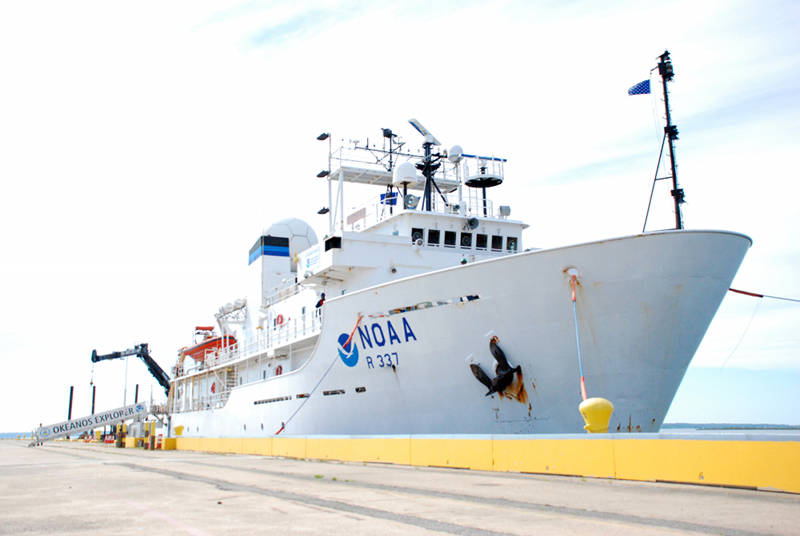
449 239
433 237
511 243
333 242
497 243
416 233
480 241
466 240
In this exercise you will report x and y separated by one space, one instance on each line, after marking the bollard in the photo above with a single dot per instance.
596 412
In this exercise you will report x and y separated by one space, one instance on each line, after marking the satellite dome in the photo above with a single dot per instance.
300 234
455 154
405 173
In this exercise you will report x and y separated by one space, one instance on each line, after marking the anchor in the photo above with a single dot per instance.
504 374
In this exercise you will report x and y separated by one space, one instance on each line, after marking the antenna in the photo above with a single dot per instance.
429 165
429 138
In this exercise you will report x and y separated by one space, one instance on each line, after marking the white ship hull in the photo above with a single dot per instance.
643 305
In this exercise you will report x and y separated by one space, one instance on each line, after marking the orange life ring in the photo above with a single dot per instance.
278 370
279 320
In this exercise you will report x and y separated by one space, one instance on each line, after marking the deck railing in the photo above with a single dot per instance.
376 209
292 330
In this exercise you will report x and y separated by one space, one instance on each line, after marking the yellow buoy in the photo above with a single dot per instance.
596 412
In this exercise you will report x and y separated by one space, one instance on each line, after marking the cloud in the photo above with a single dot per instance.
298 26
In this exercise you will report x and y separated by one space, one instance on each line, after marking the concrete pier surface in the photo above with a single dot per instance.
77 488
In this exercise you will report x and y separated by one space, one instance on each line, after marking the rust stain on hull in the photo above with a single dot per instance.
516 391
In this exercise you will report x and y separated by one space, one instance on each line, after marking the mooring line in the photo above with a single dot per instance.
757 295
333 361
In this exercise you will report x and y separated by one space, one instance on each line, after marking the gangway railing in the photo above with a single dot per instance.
84 424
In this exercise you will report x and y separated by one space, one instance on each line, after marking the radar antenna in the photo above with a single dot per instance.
430 163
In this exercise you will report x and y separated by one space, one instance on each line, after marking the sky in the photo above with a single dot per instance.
145 146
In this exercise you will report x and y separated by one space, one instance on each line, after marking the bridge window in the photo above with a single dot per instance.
416 234
497 243
433 237
449 239
480 241
466 240
511 243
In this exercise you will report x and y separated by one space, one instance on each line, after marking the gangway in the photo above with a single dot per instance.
84 424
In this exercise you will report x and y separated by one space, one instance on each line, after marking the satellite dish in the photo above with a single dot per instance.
410 201
472 224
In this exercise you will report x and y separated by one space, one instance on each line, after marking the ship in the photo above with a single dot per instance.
421 311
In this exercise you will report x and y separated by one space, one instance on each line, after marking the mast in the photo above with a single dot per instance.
428 166
671 132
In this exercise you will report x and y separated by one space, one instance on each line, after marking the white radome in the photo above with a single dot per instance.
300 234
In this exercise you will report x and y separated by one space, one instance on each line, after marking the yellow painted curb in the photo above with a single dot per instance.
743 463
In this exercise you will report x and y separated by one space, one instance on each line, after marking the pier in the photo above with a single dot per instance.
79 488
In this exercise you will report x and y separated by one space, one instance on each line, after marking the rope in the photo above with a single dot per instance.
757 295
743 333
333 361
572 283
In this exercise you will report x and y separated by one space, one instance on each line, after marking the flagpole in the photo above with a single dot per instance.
671 132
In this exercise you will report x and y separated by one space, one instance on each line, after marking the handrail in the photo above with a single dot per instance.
307 325
374 211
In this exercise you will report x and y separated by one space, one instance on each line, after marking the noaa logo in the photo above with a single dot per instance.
347 350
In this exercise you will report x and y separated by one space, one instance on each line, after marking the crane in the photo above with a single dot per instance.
140 351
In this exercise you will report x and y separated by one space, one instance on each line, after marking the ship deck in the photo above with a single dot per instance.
182 492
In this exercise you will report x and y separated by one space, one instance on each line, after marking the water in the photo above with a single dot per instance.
13 435
734 432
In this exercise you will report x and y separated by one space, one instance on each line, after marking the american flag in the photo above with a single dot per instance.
640 89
